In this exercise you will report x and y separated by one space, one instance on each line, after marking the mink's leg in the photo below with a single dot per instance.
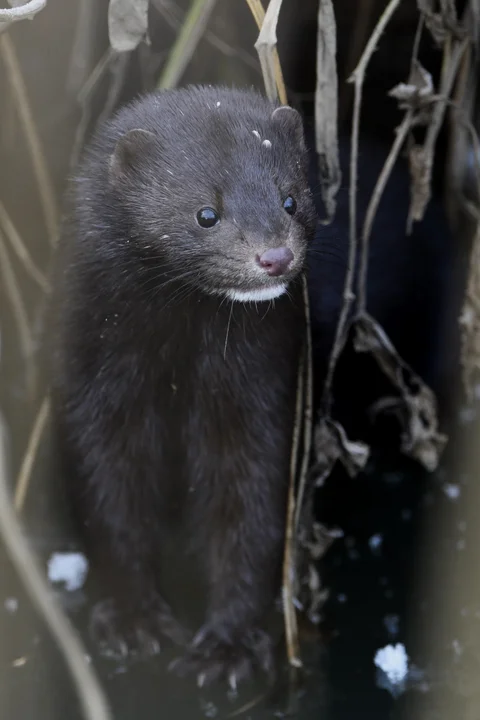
244 553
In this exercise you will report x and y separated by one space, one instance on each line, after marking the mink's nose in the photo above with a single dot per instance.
275 261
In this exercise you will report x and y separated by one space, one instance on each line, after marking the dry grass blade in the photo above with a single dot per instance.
326 107
20 95
28 461
266 48
93 701
19 247
20 313
190 35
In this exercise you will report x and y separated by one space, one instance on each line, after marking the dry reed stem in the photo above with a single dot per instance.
326 107
289 613
20 95
307 409
20 249
30 455
92 698
186 43
259 15
357 77
20 313
422 193
268 55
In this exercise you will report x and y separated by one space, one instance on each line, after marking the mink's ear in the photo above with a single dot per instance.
290 121
129 148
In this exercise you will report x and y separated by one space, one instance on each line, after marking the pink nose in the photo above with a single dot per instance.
275 261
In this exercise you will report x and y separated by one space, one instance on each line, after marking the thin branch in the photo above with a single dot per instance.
13 292
20 249
186 43
23 479
19 93
92 698
357 77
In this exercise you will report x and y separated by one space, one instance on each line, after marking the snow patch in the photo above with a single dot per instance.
392 662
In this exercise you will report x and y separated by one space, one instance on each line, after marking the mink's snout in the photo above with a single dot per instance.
275 261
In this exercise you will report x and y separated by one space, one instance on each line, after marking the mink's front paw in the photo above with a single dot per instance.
210 658
119 635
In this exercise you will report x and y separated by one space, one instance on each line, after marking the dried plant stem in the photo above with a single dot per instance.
326 107
401 135
451 63
19 311
91 696
307 409
18 246
192 31
20 95
289 613
265 47
23 479
357 77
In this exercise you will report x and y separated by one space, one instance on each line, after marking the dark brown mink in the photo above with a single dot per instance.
178 321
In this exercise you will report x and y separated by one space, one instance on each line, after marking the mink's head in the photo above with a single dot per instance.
212 185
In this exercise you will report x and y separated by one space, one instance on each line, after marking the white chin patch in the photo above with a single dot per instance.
269 293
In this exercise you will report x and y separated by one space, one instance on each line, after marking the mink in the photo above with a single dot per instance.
178 320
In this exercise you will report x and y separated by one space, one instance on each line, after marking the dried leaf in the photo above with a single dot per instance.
326 107
127 23
332 444
418 90
418 411
420 176
441 24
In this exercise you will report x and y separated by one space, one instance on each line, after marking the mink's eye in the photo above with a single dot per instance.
289 205
207 217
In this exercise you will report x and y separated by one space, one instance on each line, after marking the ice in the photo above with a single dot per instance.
68 567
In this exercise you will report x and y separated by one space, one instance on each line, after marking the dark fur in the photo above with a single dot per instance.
175 406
